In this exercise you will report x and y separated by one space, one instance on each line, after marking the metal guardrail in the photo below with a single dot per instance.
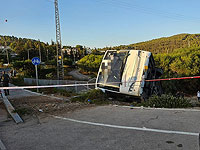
10 108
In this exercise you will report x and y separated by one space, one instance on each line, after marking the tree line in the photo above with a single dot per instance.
29 48
22 50
163 45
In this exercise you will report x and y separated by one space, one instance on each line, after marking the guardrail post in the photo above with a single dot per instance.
199 141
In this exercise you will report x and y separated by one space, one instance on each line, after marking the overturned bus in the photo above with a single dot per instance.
126 72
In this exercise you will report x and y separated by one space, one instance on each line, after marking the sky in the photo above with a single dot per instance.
99 23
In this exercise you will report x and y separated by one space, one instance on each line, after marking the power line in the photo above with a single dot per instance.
51 1
125 5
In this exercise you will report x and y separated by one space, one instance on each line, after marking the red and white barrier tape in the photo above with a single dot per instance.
72 85
182 78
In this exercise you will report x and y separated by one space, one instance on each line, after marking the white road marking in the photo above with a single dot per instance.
39 94
2 147
150 108
127 127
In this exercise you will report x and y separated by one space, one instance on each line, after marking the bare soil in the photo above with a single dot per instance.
45 105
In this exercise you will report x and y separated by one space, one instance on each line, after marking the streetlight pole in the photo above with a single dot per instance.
40 51
47 55
28 55
7 56
28 52
6 51
5 47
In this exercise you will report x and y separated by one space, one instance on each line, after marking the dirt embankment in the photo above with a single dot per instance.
36 105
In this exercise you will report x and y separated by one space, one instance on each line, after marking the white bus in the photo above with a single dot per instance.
125 72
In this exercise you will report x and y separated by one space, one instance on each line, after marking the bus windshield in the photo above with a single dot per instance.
112 68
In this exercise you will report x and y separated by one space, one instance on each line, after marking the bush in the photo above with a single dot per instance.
90 63
26 67
62 92
93 97
49 73
68 61
19 80
166 101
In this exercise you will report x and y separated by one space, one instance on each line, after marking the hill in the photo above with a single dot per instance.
165 44
25 47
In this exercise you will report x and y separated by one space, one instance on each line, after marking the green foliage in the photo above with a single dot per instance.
51 62
58 91
93 97
166 101
81 51
48 73
18 65
90 63
49 76
183 62
21 46
26 67
163 45
18 80
68 61
63 92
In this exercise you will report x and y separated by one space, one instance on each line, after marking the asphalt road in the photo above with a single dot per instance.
77 75
61 134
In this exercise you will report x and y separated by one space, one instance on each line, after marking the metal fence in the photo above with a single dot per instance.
76 84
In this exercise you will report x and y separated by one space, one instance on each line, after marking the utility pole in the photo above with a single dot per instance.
47 54
7 52
6 48
60 69
29 52
28 55
40 51
188 43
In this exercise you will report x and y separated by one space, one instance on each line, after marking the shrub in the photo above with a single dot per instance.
49 76
18 80
26 66
166 101
93 96
62 92
90 63
68 61
49 73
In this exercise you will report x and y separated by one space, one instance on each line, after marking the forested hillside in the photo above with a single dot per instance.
165 44
18 52
21 46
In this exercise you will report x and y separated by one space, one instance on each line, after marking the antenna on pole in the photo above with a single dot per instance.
60 69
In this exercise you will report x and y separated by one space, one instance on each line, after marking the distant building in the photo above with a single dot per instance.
2 47
3 51
70 51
